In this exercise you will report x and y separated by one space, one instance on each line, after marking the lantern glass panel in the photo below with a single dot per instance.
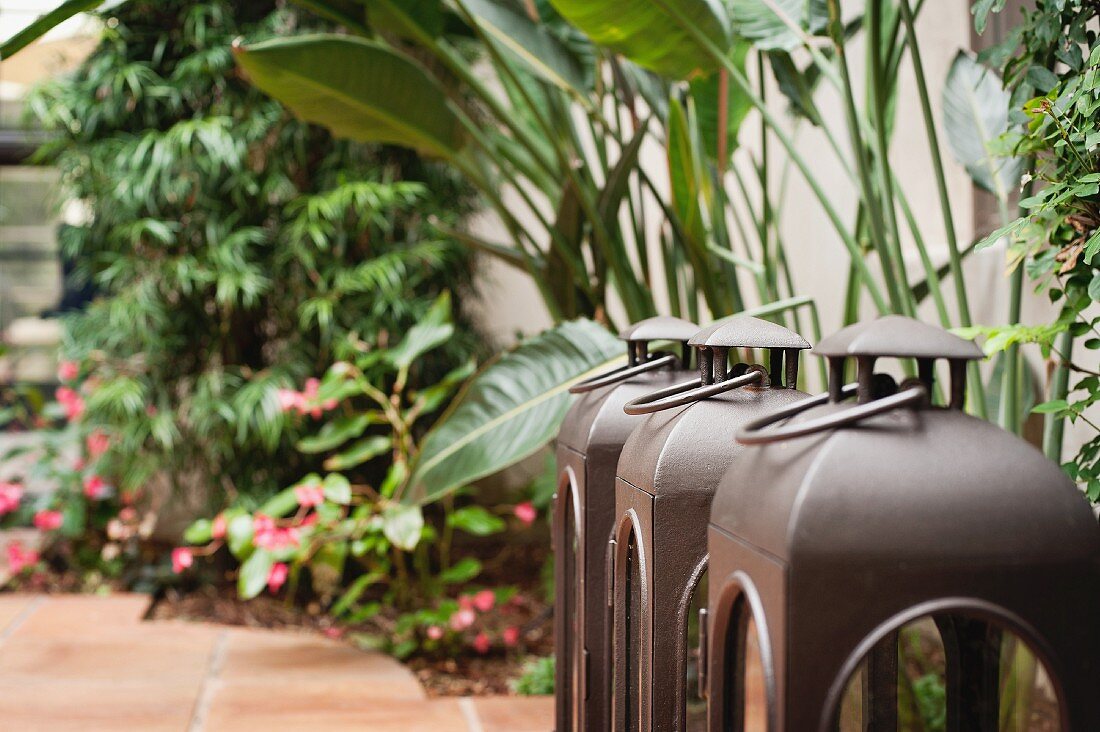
999 685
746 695
695 712
634 603
569 592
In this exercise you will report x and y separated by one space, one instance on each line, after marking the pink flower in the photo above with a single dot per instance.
485 600
266 535
95 488
511 636
71 402
10 495
19 557
434 632
462 619
289 399
217 527
79 464
276 578
310 494
181 559
313 385
47 520
526 512
97 443
67 371
334 633
466 602
481 643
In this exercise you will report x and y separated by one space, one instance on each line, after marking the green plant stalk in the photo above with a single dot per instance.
1054 427
930 273
769 119
977 390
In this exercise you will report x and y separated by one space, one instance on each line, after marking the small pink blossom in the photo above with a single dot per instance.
511 636
266 535
181 559
79 464
526 512
71 402
68 371
434 632
19 557
97 443
10 496
127 514
310 494
466 602
485 600
289 399
313 385
334 633
95 488
309 520
462 619
217 527
276 578
47 520
481 643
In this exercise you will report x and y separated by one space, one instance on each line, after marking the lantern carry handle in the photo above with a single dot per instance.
689 392
754 433
621 374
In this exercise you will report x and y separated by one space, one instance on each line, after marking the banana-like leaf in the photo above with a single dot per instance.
777 25
975 113
708 95
408 18
44 23
357 88
531 43
510 410
651 33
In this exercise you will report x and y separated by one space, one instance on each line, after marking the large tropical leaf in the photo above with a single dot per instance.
709 97
44 23
510 410
357 88
530 42
651 33
975 113
777 25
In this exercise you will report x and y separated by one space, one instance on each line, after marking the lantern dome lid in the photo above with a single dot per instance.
744 331
660 328
897 336
597 417
911 488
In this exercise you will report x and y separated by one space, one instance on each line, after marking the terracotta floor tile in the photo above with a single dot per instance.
12 606
396 716
515 713
136 655
341 696
96 707
82 614
265 655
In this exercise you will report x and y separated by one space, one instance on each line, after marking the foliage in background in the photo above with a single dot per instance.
537 678
231 245
1051 64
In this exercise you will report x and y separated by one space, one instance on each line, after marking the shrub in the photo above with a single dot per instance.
537 678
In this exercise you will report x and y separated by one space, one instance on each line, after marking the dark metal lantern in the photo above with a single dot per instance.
588 447
667 473
860 518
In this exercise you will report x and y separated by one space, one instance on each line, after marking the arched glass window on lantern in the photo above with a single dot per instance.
956 669
568 554
630 600
694 703
742 702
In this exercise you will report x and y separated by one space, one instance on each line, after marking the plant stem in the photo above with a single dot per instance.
1054 427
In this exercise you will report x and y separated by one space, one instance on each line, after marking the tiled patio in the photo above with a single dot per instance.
91 663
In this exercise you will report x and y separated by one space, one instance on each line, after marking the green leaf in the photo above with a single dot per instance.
44 23
358 89
198 532
652 33
359 453
254 573
1092 246
284 501
510 410
461 571
1058 405
982 9
335 433
776 25
354 591
238 531
530 42
408 18
975 113
337 489
434 329
707 93
475 520
402 525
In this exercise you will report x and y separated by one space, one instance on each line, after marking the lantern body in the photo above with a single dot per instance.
830 542
588 446
666 477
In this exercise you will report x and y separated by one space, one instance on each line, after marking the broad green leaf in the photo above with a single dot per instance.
355 591
975 113
44 23
198 532
406 18
348 13
254 573
475 520
358 89
238 532
777 25
402 525
530 42
982 9
708 95
359 453
652 33
337 489
1058 405
284 502
434 329
463 570
510 410
335 433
